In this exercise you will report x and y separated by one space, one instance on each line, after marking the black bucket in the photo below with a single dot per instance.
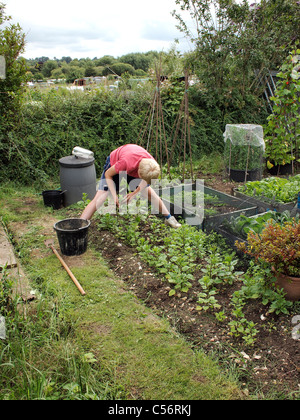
72 236
53 198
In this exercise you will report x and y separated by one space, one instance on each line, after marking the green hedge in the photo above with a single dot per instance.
52 123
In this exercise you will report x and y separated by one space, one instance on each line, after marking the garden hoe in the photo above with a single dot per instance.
50 244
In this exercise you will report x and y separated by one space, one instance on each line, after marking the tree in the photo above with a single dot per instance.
105 60
137 60
74 73
12 44
66 59
236 43
48 67
118 69
90 71
57 74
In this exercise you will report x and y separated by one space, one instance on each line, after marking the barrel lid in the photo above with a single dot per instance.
75 162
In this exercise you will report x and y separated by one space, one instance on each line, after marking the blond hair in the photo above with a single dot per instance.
149 169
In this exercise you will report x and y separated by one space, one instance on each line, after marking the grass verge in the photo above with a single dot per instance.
106 345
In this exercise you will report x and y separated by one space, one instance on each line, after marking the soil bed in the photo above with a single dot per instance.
272 365
269 368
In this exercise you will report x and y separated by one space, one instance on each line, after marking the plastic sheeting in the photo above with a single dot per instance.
245 134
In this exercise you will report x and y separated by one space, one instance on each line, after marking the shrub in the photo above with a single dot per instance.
278 245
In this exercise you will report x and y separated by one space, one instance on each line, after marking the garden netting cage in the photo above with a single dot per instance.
244 151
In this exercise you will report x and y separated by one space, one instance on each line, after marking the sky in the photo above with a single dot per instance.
94 28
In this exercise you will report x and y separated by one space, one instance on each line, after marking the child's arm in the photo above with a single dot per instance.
110 183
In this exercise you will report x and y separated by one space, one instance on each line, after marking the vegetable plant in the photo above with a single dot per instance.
219 269
281 190
242 225
241 327
206 300
257 282
182 257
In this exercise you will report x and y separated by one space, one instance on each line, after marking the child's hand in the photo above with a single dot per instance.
128 197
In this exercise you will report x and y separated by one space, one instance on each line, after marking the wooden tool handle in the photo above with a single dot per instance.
69 272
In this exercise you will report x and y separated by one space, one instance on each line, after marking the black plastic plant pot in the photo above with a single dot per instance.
72 235
240 176
53 198
286 169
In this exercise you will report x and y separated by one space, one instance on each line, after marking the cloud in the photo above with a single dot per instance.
47 36
159 31
94 28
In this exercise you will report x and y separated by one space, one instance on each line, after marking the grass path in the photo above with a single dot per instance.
143 356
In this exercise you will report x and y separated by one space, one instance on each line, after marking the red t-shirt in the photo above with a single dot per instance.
127 159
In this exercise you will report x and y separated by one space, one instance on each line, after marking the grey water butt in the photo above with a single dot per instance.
77 176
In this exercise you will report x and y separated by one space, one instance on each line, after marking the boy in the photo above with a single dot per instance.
140 167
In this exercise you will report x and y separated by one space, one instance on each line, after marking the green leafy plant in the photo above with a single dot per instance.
180 278
282 132
278 245
242 156
242 327
242 225
219 269
179 256
206 300
220 316
281 190
257 282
